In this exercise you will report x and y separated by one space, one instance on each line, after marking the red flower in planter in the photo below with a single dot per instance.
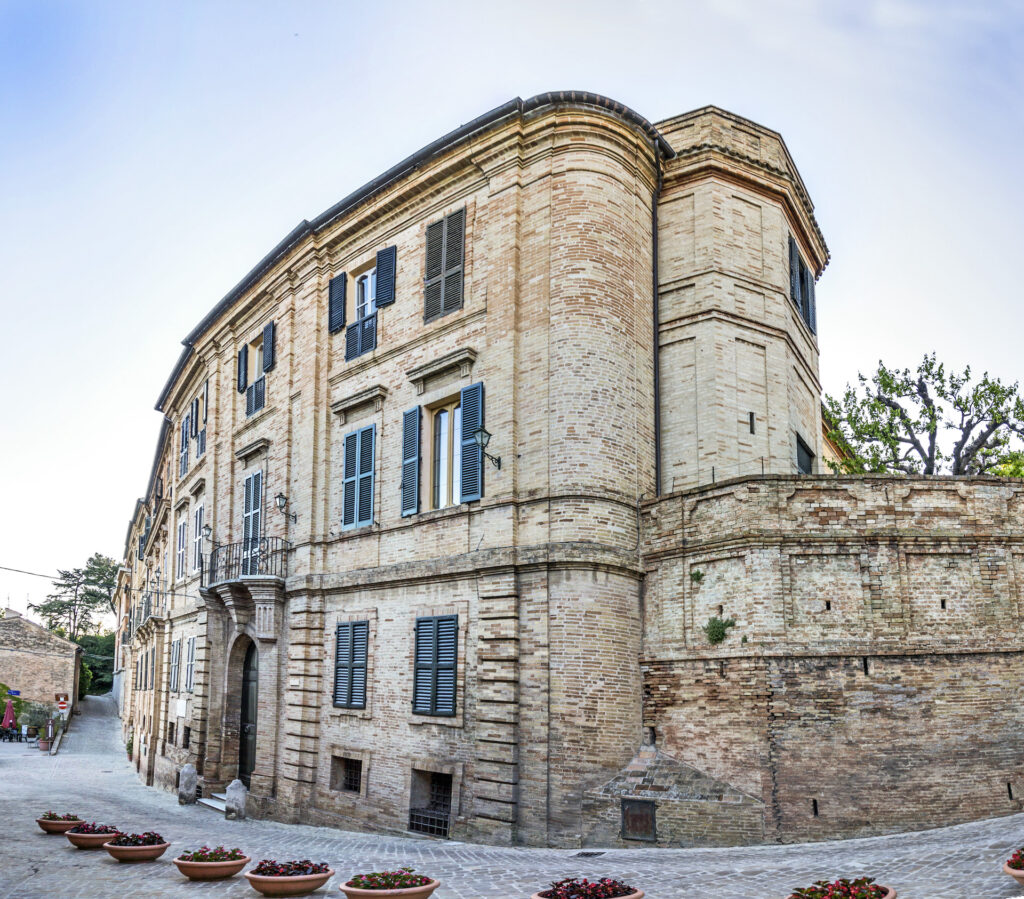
576 888
92 827
388 880
149 838
861 888
53 816
206 854
1016 861
270 868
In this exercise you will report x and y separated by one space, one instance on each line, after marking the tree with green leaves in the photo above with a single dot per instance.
928 421
72 609
100 580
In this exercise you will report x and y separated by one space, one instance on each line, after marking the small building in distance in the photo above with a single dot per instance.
37 662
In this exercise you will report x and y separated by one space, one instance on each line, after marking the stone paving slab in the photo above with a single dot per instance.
91 777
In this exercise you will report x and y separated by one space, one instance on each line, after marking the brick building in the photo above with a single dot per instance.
37 662
340 592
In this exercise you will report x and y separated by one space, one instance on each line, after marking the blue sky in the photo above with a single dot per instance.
151 153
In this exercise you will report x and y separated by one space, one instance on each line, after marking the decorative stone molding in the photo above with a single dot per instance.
260 445
462 360
345 407
198 487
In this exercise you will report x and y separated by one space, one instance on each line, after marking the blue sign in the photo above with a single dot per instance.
14 692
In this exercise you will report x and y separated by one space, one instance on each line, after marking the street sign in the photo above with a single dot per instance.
14 692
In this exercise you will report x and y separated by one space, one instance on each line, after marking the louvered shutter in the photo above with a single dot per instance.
453 245
364 509
386 267
360 639
352 341
195 417
243 369
472 455
268 346
411 461
434 278
795 291
812 304
447 657
423 675
343 665
351 470
206 399
336 303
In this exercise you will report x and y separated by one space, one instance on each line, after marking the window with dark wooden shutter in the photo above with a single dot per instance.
387 260
206 399
812 305
472 401
350 658
243 368
794 272
336 303
195 418
443 273
411 461
364 504
268 346
351 471
436 663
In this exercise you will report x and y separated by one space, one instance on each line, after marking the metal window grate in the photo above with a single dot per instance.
433 819
353 775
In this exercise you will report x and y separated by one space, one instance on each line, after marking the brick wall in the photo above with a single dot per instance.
36 662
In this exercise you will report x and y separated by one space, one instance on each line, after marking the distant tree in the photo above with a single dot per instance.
100 579
71 609
84 678
1012 466
98 653
896 422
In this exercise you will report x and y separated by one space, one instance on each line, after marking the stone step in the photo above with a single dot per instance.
215 802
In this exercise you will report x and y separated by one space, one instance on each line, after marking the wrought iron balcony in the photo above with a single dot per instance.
152 604
266 557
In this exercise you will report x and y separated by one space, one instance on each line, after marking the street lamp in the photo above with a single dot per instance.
482 437
282 504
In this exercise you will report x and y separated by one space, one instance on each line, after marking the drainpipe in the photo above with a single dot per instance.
657 316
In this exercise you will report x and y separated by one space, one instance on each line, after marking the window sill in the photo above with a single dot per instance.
340 713
418 719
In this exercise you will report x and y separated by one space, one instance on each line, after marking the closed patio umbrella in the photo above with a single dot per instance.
8 715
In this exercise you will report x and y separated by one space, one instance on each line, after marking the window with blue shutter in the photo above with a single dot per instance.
357 487
350 657
801 286
269 333
411 461
436 663
387 263
243 368
336 303
442 289
472 401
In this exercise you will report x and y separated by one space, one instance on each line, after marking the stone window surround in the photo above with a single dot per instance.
461 609
437 766
364 756
335 714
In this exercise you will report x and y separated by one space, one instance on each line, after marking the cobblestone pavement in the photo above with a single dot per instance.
91 777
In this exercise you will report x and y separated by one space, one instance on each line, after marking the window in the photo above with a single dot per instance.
346 774
175 664
350 653
442 291
186 736
170 732
430 804
151 682
361 335
801 287
436 659
255 359
804 457
186 425
446 455
357 488
199 418
638 821
199 521
252 521
182 567
190 664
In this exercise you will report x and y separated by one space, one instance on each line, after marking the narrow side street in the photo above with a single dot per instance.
92 778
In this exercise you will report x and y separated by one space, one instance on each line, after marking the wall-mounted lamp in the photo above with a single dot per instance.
208 532
482 437
282 504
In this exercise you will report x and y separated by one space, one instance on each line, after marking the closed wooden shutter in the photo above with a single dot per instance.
434 277
795 280
268 346
195 417
336 303
350 660
387 261
206 399
252 508
472 457
436 663
812 304
364 510
243 369
454 233
411 461
351 471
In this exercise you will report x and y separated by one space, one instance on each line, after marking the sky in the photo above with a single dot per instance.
151 153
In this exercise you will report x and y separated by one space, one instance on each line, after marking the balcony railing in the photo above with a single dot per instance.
266 557
152 604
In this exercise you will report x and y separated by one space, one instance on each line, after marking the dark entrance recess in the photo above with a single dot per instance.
431 804
638 820
247 725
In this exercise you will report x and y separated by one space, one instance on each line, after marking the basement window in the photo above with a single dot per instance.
638 821
346 774
430 804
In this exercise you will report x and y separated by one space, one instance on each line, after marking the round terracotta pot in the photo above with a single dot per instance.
210 870
421 892
288 886
89 840
51 826
890 893
136 853
44 745
639 894
1014 873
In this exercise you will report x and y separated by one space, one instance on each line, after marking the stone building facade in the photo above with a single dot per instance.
37 662
338 590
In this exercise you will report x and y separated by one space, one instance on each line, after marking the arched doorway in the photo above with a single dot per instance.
247 723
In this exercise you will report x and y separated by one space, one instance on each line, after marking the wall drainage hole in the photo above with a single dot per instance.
587 854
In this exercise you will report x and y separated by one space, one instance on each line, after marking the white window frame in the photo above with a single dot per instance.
182 566
366 294
199 520
186 436
190 665
175 664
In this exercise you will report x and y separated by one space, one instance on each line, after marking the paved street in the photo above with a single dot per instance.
92 778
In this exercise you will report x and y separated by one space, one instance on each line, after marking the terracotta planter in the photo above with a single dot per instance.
288 886
1014 873
44 745
421 892
51 826
210 870
890 892
639 894
136 853
89 840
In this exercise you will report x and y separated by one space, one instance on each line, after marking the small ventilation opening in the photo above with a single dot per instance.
814 807
942 604
865 661
828 605
752 428
721 611
1009 789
